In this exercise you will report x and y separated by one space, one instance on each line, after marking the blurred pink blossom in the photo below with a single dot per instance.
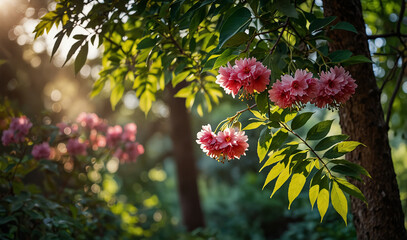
41 151
8 137
75 147
21 127
113 135
129 133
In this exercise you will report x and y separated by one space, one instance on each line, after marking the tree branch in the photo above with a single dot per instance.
396 89
279 36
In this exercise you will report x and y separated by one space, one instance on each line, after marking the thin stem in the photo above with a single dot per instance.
279 37
242 111
386 35
310 148
396 89
391 74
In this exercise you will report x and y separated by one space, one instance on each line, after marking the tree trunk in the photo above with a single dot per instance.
192 215
362 119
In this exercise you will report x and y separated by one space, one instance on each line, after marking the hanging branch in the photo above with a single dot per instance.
396 89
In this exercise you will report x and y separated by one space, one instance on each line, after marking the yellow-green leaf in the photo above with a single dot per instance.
339 201
180 77
295 187
282 178
253 125
274 172
323 197
314 187
350 189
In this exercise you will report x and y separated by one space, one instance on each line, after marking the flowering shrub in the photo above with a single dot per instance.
290 94
51 177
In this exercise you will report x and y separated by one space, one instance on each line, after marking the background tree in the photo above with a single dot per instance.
381 191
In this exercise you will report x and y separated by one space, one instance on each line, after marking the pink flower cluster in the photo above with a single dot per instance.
18 130
97 134
41 151
228 144
247 74
332 89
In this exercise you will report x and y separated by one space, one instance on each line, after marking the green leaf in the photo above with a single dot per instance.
339 201
233 24
274 172
224 58
319 23
341 149
262 102
180 77
278 139
314 187
184 92
344 170
263 144
258 115
330 141
277 156
57 44
81 58
116 95
73 49
287 8
354 166
253 125
350 189
356 59
296 185
344 26
147 43
300 120
340 56
237 40
282 178
146 101
288 115
319 130
323 197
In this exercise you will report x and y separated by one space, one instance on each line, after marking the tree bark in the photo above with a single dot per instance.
362 119
192 216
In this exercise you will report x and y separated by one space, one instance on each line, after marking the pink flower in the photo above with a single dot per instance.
8 137
88 120
21 127
228 80
336 87
259 79
129 133
113 135
280 95
75 147
130 153
312 91
228 144
245 67
232 143
298 84
41 151
247 74
208 142
97 141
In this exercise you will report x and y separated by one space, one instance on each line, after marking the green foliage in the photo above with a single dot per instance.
287 160
173 42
